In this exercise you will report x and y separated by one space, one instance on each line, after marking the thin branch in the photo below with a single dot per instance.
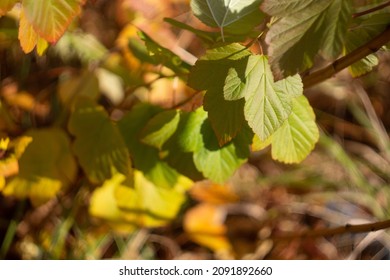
334 231
374 9
370 47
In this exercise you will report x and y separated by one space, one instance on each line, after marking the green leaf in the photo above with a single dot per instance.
268 104
50 18
364 65
145 157
231 16
226 117
160 128
292 142
99 146
303 29
210 73
241 80
214 162
188 138
46 166
219 163
211 69
365 30
6 5
164 56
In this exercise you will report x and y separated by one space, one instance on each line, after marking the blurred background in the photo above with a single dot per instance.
345 180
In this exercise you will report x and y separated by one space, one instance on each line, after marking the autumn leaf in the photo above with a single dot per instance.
50 18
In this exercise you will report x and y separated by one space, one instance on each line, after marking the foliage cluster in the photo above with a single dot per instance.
139 160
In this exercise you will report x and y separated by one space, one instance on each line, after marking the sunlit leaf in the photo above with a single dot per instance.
149 205
302 30
258 144
50 18
6 5
42 46
10 154
103 204
160 128
268 104
204 224
27 35
292 142
45 167
236 16
99 146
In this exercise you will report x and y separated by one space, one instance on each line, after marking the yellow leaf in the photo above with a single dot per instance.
42 45
27 35
204 225
103 204
149 205
2 183
9 164
38 189
146 205
4 143
258 144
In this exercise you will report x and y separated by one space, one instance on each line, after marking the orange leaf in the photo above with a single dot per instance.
207 191
50 18
27 36
204 225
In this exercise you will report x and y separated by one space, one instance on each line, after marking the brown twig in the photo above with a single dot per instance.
334 231
370 47
374 9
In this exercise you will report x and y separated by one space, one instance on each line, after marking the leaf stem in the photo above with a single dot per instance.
374 9
335 231
370 47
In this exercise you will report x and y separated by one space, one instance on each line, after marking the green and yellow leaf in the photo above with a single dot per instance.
46 166
297 137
